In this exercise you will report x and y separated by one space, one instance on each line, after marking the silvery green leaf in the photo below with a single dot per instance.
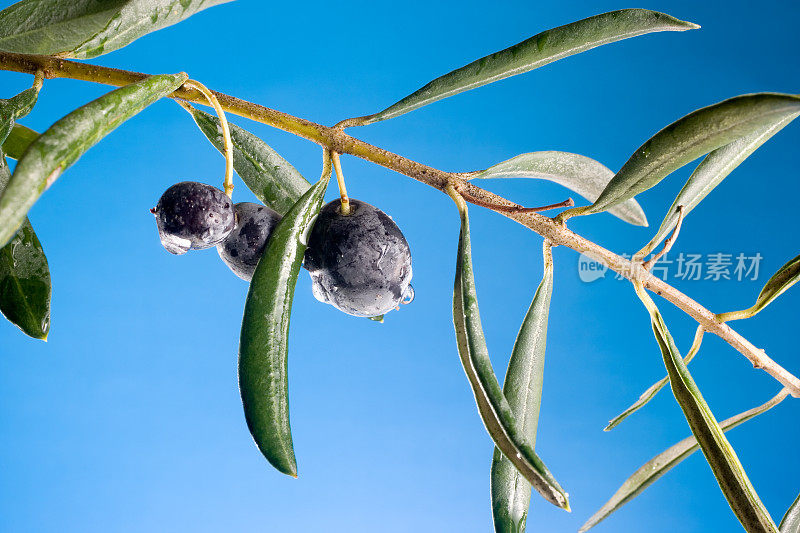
688 138
578 173
511 492
493 407
720 455
15 107
666 460
537 51
791 520
88 28
785 277
711 171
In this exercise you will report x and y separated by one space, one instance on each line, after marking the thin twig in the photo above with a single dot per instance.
337 140
668 243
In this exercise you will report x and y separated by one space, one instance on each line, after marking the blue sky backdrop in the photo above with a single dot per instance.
129 418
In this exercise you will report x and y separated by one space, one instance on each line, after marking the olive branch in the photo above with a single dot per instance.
726 133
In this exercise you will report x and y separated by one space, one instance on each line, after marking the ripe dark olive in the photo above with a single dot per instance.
359 263
242 249
193 216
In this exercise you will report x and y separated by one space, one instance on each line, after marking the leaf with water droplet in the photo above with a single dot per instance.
65 141
24 277
710 172
666 460
578 173
263 347
272 179
535 52
88 28
690 137
493 407
511 492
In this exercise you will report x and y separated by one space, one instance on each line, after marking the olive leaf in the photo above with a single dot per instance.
785 277
666 460
15 107
493 407
710 172
532 53
511 492
791 520
18 141
66 140
263 347
690 137
578 173
720 455
24 277
271 178
88 28
651 392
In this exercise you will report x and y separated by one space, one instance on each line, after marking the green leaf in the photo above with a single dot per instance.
263 347
24 277
66 140
18 141
271 178
690 137
578 173
791 520
511 492
720 455
651 392
666 460
785 277
492 405
15 107
88 28
711 171
537 51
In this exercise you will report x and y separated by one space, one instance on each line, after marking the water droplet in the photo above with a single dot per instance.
408 295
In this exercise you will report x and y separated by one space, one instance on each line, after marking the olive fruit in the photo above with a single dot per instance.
243 247
193 216
359 263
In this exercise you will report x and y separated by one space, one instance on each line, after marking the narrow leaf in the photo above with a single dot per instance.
711 171
492 405
666 460
537 51
18 141
791 520
720 455
578 173
690 137
271 178
785 277
15 107
66 140
263 347
511 492
88 28
24 277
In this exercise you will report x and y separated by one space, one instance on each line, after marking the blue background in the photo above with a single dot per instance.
129 418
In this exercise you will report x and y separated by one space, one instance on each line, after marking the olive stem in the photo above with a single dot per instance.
336 139
668 244
337 164
226 132
38 80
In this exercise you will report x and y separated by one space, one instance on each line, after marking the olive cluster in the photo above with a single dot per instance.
360 262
